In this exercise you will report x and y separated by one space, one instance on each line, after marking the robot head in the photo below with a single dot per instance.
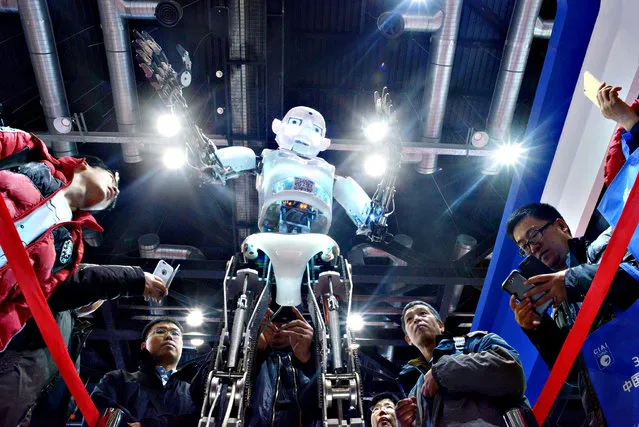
302 131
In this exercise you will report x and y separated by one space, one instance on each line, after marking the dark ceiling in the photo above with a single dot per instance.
328 55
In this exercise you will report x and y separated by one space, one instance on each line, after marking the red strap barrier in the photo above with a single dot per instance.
28 282
608 267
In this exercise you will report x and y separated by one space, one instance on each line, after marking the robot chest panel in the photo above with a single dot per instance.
286 169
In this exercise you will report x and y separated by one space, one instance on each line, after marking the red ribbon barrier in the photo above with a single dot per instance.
29 285
608 267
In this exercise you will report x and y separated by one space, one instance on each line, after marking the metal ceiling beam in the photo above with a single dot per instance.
410 149
362 274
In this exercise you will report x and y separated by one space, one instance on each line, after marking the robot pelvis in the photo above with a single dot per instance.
303 264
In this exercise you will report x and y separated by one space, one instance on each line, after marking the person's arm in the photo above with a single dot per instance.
493 369
624 290
105 395
91 283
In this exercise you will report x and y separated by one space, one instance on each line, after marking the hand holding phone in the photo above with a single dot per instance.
165 272
514 285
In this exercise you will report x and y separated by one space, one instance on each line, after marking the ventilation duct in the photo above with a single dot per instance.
38 31
168 13
113 18
440 65
511 74
150 247
393 24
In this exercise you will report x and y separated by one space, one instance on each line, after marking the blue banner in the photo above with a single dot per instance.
612 358
616 195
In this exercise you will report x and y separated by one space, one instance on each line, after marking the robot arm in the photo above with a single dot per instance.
353 199
223 164
371 215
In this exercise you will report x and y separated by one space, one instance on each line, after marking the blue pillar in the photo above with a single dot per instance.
573 26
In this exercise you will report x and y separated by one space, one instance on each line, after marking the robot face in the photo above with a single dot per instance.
302 131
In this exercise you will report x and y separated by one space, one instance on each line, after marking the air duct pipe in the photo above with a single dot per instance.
38 31
438 73
445 23
511 74
113 18
150 247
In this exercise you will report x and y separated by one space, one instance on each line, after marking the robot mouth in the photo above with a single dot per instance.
304 143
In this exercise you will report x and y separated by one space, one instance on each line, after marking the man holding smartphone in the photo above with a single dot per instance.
540 231
285 377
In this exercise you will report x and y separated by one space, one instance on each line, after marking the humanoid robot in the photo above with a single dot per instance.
292 252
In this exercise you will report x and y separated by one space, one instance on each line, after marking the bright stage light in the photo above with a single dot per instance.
174 158
196 342
509 154
355 322
195 318
376 131
168 125
375 165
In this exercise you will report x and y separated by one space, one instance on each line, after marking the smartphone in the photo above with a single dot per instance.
532 266
165 272
514 285
285 315
591 87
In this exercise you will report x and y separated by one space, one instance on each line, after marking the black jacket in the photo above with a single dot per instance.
144 399
26 366
583 262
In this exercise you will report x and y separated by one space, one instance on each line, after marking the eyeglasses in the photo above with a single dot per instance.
175 333
387 408
534 237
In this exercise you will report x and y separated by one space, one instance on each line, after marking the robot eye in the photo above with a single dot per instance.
295 121
317 129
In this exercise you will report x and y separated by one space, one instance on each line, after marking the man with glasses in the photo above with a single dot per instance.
540 231
157 394
383 410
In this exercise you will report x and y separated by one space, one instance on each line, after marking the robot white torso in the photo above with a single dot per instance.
295 187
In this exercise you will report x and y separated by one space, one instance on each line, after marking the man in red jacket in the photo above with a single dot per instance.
49 200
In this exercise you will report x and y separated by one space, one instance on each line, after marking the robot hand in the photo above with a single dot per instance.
169 84
382 204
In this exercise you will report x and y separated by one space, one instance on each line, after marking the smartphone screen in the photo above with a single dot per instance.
591 87
514 285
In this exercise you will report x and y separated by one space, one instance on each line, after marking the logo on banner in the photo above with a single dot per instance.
603 356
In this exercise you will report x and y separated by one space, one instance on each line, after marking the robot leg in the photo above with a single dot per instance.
228 384
340 379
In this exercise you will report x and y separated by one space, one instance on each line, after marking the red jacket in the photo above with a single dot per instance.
614 156
22 197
